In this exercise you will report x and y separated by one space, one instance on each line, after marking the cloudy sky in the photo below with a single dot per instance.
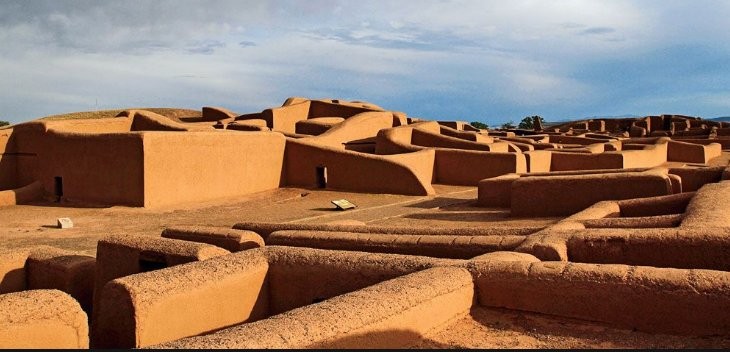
491 61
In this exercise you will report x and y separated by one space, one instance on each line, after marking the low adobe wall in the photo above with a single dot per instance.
31 192
98 168
565 195
190 299
465 135
468 167
164 305
417 304
649 156
285 118
45 267
675 301
439 246
265 229
46 319
694 178
360 126
692 153
709 208
426 138
653 206
409 173
119 256
199 166
229 239
657 247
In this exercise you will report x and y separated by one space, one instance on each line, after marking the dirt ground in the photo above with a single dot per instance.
452 206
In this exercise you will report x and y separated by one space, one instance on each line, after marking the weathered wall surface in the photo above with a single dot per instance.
346 170
556 195
198 166
468 167
45 319
678 301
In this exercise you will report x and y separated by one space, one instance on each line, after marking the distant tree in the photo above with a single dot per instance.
526 123
480 125
4 123
508 125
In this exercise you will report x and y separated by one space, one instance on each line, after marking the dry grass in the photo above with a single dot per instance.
172 113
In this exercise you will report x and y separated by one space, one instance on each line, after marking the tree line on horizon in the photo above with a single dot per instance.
525 124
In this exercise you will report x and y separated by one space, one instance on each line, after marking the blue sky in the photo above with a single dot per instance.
492 61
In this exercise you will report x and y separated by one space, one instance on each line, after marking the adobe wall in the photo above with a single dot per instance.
397 174
12 269
658 247
42 319
199 166
164 305
676 301
439 246
692 153
694 178
265 229
561 161
97 168
228 239
426 138
653 206
468 136
319 108
120 256
103 125
468 167
709 208
53 268
417 304
31 192
360 126
285 118
301 276
556 195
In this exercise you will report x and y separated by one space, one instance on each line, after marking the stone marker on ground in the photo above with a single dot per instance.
64 223
343 204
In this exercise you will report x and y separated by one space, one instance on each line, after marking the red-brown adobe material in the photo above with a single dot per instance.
668 248
417 304
426 138
12 270
25 194
709 208
136 310
653 206
658 221
678 301
466 135
265 229
165 305
119 256
215 113
409 173
196 166
438 246
694 178
692 153
317 125
229 239
67 271
468 167
42 319
554 195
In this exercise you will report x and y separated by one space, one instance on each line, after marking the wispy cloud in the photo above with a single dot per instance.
432 58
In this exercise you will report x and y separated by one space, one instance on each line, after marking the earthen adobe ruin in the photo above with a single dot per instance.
614 225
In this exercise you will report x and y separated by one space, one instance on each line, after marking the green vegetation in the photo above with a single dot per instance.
508 125
480 125
526 123
4 123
